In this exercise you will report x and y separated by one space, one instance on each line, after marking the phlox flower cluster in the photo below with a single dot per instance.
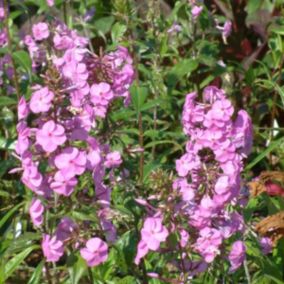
202 206
57 141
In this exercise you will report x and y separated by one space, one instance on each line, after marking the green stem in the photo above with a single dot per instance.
247 272
141 144
92 281
47 273
16 82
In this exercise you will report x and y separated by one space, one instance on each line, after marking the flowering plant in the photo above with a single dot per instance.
141 142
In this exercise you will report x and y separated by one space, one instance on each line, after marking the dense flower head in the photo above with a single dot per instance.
56 143
205 197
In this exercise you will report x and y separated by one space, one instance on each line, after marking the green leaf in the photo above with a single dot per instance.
9 214
154 143
23 241
77 270
273 145
7 144
127 280
104 24
7 101
182 68
117 32
252 6
139 96
275 280
23 59
36 277
13 263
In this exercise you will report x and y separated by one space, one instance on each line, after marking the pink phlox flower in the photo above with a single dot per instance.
32 178
2 13
113 160
40 31
76 72
52 248
23 109
63 185
208 243
71 162
184 237
237 255
65 229
94 158
152 234
62 42
50 3
36 212
186 163
243 132
41 100
226 30
266 245
212 94
186 190
23 141
196 11
50 136
95 252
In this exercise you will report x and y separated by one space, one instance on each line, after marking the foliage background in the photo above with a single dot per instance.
168 65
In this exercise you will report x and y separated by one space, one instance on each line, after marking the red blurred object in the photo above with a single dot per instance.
246 47
274 189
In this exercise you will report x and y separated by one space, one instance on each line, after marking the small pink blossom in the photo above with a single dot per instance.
2 13
23 141
50 3
266 245
41 100
65 229
208 243
71 162
40 31
113 160
32 178
77 72
50 136
186 163
94 158
152 234
226 30
23 109
196 11
184 237
237 255
52 248
95 252
36 212
101 94
63 185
